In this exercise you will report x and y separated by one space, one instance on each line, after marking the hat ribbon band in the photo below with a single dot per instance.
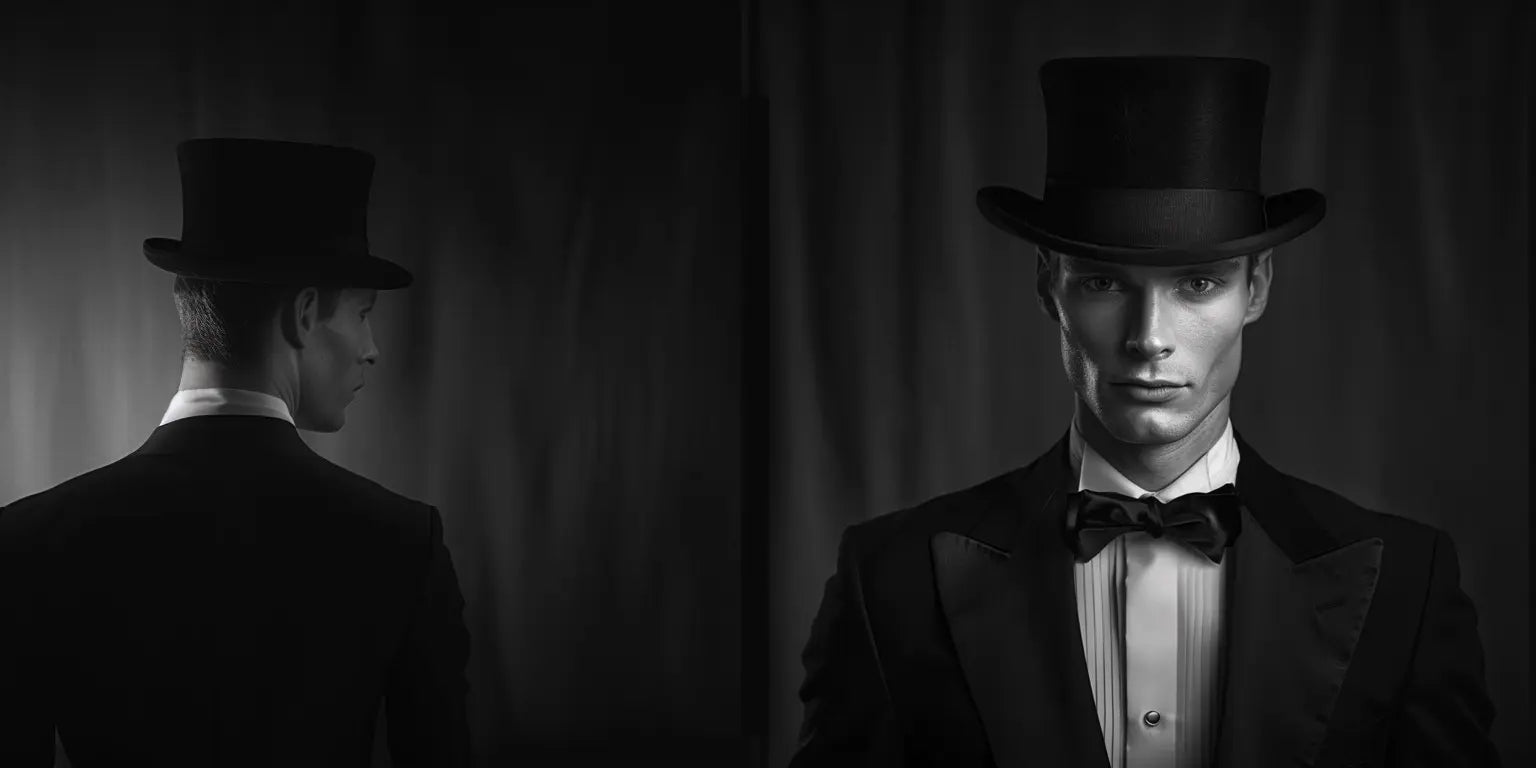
275 244
1152 218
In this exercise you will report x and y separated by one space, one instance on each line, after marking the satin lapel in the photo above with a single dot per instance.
1013 616
1296 604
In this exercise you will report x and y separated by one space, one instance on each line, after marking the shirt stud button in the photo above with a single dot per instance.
1152 718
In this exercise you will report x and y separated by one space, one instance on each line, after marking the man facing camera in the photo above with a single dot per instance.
223 596
1149 592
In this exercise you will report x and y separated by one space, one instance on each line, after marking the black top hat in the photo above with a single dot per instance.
1153 160
274 212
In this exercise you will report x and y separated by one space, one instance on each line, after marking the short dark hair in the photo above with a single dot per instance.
224 321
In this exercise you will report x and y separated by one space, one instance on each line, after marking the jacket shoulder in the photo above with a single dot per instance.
347 482
36 508
145 482
1352 520
916 525
358 499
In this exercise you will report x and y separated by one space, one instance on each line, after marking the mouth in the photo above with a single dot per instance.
1150 390
1148 383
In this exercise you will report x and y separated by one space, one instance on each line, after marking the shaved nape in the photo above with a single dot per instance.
226 321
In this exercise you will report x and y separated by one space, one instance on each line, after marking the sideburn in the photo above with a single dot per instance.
287 322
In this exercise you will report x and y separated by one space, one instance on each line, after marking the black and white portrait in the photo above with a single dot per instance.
765 383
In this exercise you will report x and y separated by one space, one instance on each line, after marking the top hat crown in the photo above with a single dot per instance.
264 211
1153 160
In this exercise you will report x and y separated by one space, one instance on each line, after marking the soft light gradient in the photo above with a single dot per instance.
562 379
910 357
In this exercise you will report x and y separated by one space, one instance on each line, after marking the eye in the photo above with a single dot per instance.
1201 285
1097 284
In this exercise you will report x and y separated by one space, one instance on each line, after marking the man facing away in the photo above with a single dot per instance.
1150 592
223 596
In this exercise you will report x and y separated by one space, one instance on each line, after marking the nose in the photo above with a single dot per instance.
1150 336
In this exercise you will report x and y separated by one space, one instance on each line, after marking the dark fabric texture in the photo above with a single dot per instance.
561 381
948 636
224 596
910 357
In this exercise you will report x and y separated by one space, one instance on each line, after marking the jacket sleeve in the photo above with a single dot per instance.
1445 712
26 727
848 719
425 702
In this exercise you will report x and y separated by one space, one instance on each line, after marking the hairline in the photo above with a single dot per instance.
201 296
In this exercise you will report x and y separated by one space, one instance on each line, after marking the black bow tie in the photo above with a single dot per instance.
1208 522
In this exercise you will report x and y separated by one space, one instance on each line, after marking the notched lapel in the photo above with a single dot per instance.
1297 603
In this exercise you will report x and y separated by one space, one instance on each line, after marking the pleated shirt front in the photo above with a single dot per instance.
1150 613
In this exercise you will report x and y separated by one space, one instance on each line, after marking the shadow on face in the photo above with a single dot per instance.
334 357
1152 352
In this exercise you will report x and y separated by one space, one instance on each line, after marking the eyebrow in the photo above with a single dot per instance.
1223 267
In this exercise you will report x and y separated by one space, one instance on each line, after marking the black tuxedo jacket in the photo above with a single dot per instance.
224 596
948 636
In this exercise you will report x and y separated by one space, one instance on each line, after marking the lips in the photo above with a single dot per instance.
1150 390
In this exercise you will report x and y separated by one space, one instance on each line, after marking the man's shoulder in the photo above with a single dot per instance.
95 484
340 480
1351 520
958 510
140 483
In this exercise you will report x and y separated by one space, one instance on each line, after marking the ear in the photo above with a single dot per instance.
1045 279
1262 276
300 316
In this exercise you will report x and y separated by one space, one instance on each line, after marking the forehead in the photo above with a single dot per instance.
1079 264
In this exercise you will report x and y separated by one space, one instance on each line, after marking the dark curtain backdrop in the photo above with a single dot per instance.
562 380
910 358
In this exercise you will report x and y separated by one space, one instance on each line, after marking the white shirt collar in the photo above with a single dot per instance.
1216 468
225 401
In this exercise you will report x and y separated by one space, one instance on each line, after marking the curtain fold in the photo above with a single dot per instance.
910 357
559 382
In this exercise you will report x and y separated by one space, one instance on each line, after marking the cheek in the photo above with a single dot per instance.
1212 350
335 353
1223 359
1089 340
1211 335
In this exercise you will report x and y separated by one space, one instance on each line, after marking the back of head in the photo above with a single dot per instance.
228 322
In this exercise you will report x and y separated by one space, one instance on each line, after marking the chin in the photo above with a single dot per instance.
1143 424
1142 431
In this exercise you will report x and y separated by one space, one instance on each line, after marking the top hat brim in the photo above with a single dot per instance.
1287 216
366 271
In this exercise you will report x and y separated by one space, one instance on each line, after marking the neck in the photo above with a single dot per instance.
202 374
1153 467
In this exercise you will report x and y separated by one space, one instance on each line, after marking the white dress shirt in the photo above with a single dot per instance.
225 401
1150 612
